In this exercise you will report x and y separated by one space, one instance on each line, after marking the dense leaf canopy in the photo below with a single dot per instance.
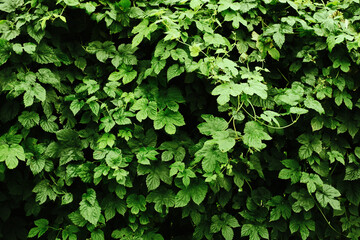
179 119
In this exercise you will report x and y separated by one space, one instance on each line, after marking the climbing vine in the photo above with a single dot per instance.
179 119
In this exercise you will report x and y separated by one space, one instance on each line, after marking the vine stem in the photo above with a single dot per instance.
269 126
327 221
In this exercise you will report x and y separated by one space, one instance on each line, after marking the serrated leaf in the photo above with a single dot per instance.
89 207
11 154
254 231
212 125
174 71
279 39
136 203
211 156
254 134
198 192
169 120
46 76
161 197
43 191
182 198
76 106
36 164
326 195
312 181
226 90
29 119
77 219
291 172
304 201
97 234
352 172
311 103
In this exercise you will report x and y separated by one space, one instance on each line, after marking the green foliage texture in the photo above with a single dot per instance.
179 119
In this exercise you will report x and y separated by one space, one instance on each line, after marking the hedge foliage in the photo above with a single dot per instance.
179 119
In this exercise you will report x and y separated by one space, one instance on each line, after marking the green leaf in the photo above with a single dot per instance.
11 154
80 63
198 192
145 154
5 48
44 54
125 4
43 191
18 49
326 195
66 198
29 119
46 76
274 53
236 19
152 181
310 143
226 90
317 123
302 225
281 208
42 225
157 64
97 234
225 223
336 155
182 198
212 125
352 172
227 233
256 87
311 103
136 202
106 139
10 5
312 181
76 105
297 110
194 50
214 39
291 172
254 135
29 47
89 207
291 96
304 201
195 4
145 109
169 119
72 3
107 123
161 197
77 219
174 71
279 39
36 164
255 232
211 156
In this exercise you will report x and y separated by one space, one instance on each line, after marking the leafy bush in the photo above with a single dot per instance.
179 119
